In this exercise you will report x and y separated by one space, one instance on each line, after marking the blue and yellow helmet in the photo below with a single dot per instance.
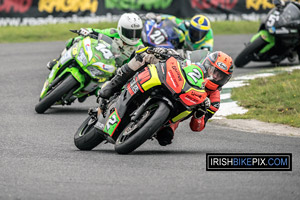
199 27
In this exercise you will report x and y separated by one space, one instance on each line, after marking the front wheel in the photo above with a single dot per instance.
248 53
56 94
86 137
136 133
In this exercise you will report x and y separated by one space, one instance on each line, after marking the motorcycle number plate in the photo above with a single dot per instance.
157 37
112 123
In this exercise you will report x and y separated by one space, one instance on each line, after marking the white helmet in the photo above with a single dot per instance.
130 28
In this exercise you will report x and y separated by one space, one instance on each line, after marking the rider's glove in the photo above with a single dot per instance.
159 50
84 32
140 60
202 109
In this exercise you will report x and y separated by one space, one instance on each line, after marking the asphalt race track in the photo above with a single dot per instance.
38 159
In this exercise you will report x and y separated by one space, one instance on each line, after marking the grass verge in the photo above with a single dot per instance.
272 99
59 32
52 32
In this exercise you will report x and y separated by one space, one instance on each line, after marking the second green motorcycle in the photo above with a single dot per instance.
79 73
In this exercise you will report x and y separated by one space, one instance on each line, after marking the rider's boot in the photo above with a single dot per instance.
165 135
117 82
197 124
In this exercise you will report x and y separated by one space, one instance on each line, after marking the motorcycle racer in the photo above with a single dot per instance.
194 34
126 40
218 66
126 36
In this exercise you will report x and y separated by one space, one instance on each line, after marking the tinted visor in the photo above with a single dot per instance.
132 33
196 35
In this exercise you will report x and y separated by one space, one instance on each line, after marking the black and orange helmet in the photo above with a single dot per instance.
220 67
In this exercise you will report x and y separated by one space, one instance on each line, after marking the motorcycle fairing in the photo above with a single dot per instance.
66 57
176 81
76 74
174 77
96 53
181 116
87 47
135 85
265 35
193 97
112 123
194 75
148 83
158 35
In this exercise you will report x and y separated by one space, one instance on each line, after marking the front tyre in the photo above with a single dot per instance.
248 53
136 133
86 137
56 94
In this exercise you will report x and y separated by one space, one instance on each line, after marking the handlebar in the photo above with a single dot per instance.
157 54
165 56
92 35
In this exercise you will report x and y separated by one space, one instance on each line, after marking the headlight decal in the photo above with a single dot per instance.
82 57
66 57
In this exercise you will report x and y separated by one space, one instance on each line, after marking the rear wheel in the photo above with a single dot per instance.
248 53
56 94
86 137
136 133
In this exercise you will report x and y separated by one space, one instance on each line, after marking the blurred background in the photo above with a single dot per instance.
39 12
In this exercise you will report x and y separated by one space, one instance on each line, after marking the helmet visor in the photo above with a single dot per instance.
219 77
133 34
196 35
215 75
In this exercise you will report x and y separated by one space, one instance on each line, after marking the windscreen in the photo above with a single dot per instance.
290 13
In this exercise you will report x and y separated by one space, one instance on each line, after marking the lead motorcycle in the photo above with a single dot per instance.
166 92
278 37
83 68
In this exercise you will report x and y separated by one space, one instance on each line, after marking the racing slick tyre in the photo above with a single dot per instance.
137 132
56 93
86 137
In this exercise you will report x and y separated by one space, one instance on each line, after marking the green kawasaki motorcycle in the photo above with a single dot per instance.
278 37
80 71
